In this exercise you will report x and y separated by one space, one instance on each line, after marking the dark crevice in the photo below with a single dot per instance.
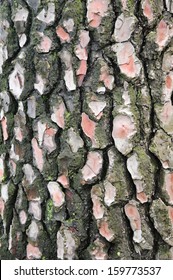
29 24
116 72
164 5
88 226
139 107
155 234
84 2
172 98
81 133
158 164
59 12
137 7
11 202
24 238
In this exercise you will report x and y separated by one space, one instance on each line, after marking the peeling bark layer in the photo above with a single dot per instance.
86 127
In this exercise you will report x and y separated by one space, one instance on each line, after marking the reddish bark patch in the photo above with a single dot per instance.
105 231
106 78
97 209
129 64
1 173
147 10
81 53
45 44
129 68
96 20
49 139
142 197
84 38
88 126
82 68
64 181
80 79
62 34
33 252
81 72
168 185
162 34
4 128
58 115
132 214
37 154
123 127
168 82
92 167
50 132
170 211
96 10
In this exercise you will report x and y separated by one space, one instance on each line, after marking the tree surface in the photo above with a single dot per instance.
86 129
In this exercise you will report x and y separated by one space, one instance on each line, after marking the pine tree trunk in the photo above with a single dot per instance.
86 117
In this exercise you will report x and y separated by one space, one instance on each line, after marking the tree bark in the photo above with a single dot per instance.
86 117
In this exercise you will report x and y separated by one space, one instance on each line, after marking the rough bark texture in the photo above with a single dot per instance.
86 117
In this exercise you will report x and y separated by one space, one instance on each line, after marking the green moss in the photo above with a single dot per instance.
50 170
8 213
15 3
163 252
151 36
117 177
5 176
4 252
75 10
103 134
1 139
117 96
10 120
133 100
131 6
12 42
68 119
3 149
105 29
35 38
146 165
159 213
3 84
19 173
49 210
